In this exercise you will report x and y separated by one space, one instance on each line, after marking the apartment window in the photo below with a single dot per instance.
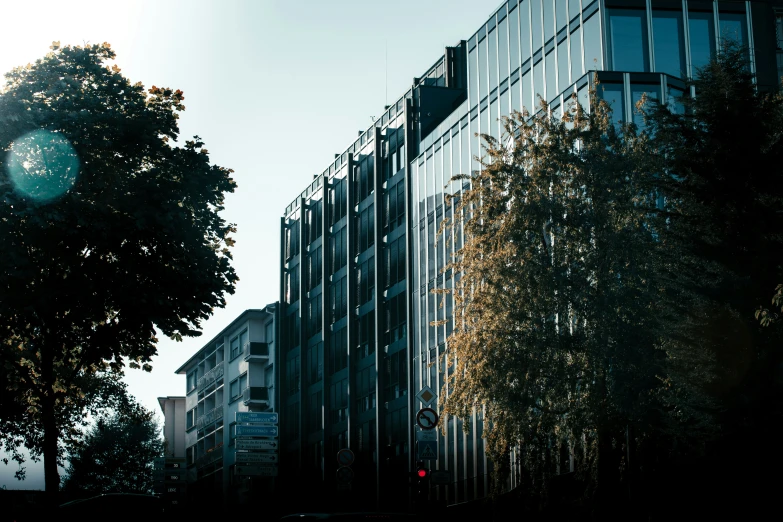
314 220
395 261
395 318
234 389
314 265
237 344
627 40
363 177
192 380
292 285
337 201
338 352
338 395
394 207
292 240
190 418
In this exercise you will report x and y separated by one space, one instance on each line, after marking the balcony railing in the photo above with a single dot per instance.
209 417
258 352
211 455
256 395
210 377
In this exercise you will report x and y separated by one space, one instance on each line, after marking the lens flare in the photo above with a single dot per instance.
42 165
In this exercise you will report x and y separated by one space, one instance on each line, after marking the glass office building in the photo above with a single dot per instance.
361 252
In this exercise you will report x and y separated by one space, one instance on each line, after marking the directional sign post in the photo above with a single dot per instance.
256 431
256 457
256 444
256 417
257 470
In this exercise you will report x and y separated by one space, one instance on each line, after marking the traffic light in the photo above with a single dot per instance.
422 476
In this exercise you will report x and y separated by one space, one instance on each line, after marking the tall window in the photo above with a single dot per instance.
338 350
315 357
366 335
627 37
669 43
338 395
702 38
365 384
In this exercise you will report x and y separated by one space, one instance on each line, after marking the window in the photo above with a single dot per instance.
238 343
192 380
315 409
627 40
669 45
394 207
365 384
395 261
314 316
292 285
365 229
190 418
234 389
338 299
314 266
702 38
592 38
395 318
315 364
314 220
292 240
366 280
337 201
363 177
396 375
339 401
242 382
338 351
366 335
338 249
292 375
613 94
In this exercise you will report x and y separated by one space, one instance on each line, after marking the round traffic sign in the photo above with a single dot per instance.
345 457
427 419
344 475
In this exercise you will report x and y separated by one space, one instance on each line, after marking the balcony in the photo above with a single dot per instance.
209 417
256 352
211 455
210 377
256 395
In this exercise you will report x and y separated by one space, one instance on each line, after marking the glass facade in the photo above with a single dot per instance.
363 327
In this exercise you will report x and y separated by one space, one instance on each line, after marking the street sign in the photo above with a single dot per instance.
256 431
429 435
345 457
257 470
344 475
426 450
426 395
256 444
256 416
426 418
256 457
440 476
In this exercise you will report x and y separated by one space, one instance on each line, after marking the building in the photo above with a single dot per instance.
233 372
360 248
170 479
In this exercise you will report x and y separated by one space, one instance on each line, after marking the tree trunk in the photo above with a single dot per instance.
50 432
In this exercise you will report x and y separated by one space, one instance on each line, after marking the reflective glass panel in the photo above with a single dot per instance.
492 45
733 26
702 39
576 54
503 49
513 39
482 68
637 91
669 44
562 64
627 37
574 7
561 15
592 39
538 78
524 30
536 24
613 94
551 76
549 19
473 73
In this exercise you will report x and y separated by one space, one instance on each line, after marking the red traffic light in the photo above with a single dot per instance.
422 473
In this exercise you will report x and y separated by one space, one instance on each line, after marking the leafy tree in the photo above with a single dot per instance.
724 158
116 455
566 318
110 231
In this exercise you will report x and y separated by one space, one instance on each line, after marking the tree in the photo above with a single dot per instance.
564 307
116 455
110 231
723 156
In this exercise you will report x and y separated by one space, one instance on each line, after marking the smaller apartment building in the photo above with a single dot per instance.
233 372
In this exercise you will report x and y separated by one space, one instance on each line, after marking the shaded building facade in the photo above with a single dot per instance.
360 248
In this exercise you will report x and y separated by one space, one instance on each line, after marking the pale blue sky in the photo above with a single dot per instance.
274 88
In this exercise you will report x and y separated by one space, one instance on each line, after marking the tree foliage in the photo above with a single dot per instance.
115 455
95 261
604 304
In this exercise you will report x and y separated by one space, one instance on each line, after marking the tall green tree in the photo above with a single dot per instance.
111 231
723 159
115 455
564 303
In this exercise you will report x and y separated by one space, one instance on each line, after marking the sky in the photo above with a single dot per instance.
275 88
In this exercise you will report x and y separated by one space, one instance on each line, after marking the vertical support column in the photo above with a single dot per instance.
411 148
350 276
380 376
325 326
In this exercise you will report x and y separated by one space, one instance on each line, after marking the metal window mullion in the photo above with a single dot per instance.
627 102
350 298
751 42
380 377
650 37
